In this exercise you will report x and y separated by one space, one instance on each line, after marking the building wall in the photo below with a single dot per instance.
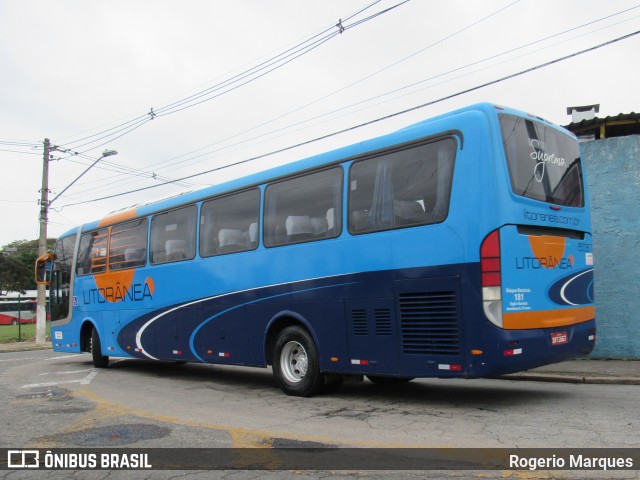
613 171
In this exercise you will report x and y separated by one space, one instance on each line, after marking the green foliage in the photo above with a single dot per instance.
17 261
26 332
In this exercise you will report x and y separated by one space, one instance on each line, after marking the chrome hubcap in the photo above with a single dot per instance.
294 362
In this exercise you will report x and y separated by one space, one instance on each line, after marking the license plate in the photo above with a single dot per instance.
559 338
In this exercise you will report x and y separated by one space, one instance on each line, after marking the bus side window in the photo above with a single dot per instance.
92 255
230 223
300 209
128 244
173 235
406 188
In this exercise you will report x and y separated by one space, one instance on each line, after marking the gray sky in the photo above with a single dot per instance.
75 68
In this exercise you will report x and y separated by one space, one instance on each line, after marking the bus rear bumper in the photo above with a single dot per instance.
519 350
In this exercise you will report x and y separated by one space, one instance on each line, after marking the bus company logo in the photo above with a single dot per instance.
118 286
537 263
136 292
548 252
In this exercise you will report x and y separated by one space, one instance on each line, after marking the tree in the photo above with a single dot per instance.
12 274
17 261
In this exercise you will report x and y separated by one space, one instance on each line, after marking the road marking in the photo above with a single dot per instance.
67 373
68 355
83 381
49 384
22 359
87 380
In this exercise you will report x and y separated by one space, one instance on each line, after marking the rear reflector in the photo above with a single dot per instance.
355 361
455 368
510 353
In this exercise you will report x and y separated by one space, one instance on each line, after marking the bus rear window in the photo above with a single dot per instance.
544 163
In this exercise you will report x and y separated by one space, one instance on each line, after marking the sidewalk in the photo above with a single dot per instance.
611 372
23 346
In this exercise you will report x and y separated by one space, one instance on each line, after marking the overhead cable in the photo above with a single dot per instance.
335 92
386 117
225 86
157 166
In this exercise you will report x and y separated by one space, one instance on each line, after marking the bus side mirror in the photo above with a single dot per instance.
44 265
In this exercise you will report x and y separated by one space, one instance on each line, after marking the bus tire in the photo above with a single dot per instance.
99 360
389 380
14 322
296 364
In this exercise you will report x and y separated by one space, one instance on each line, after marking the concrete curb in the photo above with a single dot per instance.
571 378
23 346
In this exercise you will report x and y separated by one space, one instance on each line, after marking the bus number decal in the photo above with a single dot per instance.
519 302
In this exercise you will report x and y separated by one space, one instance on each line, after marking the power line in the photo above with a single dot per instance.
270 65
123 170
13 144
377 120
336 91
19 151
459 69
19 143
309 43
119 131
225 86
190 158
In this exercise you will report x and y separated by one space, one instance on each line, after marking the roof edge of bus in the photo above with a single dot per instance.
485 107
68 233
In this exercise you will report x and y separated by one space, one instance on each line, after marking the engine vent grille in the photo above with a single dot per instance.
429 323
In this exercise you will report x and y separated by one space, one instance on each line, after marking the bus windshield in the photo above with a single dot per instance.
544 163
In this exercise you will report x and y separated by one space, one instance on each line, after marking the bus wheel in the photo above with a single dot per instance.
296 365
14 322
99 360
389 380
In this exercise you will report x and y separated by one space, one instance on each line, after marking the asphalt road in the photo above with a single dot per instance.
53 400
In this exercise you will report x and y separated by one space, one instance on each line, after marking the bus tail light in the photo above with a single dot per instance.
491 278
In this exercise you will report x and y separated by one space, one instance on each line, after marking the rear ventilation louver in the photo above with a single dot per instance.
383 321
381 317
359 322
429 323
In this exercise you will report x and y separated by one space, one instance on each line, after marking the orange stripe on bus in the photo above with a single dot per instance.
117 217
547 318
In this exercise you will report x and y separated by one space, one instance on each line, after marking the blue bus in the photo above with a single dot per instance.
459 246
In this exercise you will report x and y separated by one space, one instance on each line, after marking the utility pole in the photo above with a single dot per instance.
41 312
